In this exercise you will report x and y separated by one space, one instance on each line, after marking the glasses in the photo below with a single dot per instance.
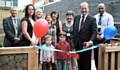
100 8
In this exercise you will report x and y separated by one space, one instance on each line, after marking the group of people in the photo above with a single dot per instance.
76 33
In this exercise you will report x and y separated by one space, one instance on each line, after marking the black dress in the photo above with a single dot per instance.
24 41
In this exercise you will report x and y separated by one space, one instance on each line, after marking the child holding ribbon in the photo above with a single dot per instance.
47 56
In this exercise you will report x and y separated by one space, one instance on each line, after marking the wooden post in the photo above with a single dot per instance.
105 61
100 58
112 61
33 59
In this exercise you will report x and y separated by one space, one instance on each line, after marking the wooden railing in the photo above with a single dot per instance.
109 57
31 59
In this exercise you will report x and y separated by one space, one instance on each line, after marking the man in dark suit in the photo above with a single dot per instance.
12 29
84 34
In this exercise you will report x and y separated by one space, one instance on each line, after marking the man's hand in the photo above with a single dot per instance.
87 44
16 40
99 38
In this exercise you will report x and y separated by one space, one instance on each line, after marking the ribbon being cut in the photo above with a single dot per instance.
73 54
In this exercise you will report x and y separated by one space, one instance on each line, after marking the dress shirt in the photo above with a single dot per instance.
106 20
15 24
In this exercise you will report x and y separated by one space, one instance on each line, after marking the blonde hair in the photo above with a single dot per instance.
48 36
39 10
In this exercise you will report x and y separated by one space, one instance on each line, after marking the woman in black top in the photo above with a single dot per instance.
27 26
56 21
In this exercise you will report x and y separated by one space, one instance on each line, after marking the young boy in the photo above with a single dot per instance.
46 56
62 58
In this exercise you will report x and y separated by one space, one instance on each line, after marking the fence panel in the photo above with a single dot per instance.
19 58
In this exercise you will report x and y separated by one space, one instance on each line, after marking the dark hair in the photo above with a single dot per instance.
54 12
26 11
48 36
47 15
62 34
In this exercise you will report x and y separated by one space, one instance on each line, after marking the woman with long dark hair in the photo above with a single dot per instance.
57 22
27 23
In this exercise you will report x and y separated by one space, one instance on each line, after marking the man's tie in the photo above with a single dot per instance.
82 21
99 24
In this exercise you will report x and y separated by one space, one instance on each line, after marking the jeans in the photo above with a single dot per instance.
62 65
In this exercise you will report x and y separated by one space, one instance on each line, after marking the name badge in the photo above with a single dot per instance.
68 34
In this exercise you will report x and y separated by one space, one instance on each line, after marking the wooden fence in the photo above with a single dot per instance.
31 60
109 57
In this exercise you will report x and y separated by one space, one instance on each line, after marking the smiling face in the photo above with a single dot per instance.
54 16
101 8
39 13
62 38
14 11
48 18
69 18
48 39
84 8
30 10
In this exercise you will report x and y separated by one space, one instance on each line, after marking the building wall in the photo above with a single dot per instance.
113 7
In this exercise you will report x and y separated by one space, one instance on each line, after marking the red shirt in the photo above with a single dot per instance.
62 55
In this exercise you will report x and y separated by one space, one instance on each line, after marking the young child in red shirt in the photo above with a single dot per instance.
62 58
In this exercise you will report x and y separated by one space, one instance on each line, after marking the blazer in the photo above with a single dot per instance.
87 32
9 31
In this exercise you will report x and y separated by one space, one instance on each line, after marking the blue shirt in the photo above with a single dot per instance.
106 20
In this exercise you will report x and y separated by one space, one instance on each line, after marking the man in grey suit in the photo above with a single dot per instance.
84 31
12 29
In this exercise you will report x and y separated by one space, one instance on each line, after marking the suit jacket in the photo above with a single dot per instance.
87 33
10 31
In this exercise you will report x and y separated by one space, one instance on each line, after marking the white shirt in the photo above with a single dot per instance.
15 25
106 20
33 36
